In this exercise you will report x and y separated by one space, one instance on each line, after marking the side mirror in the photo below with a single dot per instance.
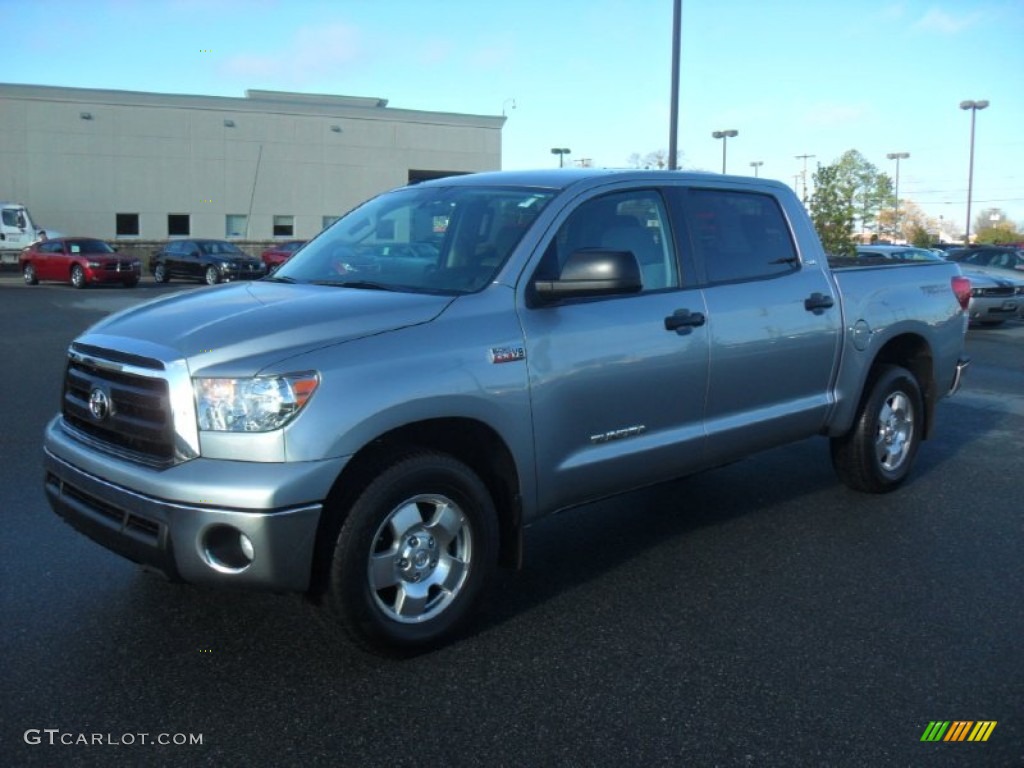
593 272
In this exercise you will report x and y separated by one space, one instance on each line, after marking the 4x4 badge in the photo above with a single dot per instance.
99 404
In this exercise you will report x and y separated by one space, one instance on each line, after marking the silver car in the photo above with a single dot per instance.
996 295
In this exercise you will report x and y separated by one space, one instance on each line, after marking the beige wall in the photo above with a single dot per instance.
155 154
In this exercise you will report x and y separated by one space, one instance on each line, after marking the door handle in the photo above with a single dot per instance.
818 303
683 321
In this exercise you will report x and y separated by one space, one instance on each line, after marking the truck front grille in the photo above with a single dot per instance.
120 411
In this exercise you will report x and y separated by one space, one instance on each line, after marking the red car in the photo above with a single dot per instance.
78 260
279 253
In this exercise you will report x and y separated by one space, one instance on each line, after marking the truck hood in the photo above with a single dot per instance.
247 326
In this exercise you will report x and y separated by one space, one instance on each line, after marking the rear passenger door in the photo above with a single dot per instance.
617 394
773 321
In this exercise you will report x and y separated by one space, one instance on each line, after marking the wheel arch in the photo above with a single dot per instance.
910 351
470 441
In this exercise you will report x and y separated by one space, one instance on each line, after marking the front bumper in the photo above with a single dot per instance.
224 523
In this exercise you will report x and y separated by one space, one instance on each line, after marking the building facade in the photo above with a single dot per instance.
125 165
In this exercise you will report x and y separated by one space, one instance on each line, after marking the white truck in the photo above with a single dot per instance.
17 231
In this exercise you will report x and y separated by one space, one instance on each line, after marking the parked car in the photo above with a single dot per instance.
279 253
79 261
994 257
995 297
212 261
898 252
380 441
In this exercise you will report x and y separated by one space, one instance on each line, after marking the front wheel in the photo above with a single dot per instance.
160 273
212 276
413 554
77 276
877 454
29 275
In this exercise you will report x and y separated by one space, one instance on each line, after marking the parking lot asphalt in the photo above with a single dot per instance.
756 615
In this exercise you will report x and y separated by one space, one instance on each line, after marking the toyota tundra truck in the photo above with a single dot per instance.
376 423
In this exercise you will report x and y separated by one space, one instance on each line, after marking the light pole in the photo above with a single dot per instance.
897 156
724 136
805 158
507 101
561 152
974 106
755 165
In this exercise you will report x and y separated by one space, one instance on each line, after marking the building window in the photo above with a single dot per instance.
326 221
284 226
126 224
236 225
178 225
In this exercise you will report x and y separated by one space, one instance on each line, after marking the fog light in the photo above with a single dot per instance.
227 549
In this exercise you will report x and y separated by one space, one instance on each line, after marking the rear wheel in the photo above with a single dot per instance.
29 274
77 276
877 454
413 554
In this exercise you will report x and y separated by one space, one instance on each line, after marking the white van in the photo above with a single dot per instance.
17 231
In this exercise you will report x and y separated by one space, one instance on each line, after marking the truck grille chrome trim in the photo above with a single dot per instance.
133 407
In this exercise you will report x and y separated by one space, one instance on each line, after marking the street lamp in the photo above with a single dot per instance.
724 136
561 152
805 158
974 106
507 101
897 156
755 165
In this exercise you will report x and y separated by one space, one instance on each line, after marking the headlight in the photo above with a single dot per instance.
258 404
226 265
977 291
92 264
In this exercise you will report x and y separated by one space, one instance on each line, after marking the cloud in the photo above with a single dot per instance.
311 54
938 21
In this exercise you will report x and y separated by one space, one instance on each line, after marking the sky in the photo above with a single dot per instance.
793 77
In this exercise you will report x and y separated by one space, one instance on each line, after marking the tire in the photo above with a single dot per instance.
160 273
29 274
877 454
77 276
413 555
212 276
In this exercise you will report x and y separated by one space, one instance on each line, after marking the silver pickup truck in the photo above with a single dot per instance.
376 423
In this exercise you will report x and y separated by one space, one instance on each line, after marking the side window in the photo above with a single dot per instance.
626 221
738 235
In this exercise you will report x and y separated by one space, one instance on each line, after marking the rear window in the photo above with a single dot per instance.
738 235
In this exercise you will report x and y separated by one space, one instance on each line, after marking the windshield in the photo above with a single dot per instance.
219 248
448 240
89 246
14 217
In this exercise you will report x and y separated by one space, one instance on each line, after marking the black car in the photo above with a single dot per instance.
994 256
209 260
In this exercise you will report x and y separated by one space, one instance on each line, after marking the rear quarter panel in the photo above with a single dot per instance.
888 304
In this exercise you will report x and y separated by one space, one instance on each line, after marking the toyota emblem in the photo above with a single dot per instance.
99 404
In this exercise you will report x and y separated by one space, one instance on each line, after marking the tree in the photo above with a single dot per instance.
656 159
872 190
992 226
832 208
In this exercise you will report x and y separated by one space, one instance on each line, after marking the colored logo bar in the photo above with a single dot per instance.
959 730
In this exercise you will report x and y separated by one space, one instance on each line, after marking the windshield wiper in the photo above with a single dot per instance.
274 279
364 284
